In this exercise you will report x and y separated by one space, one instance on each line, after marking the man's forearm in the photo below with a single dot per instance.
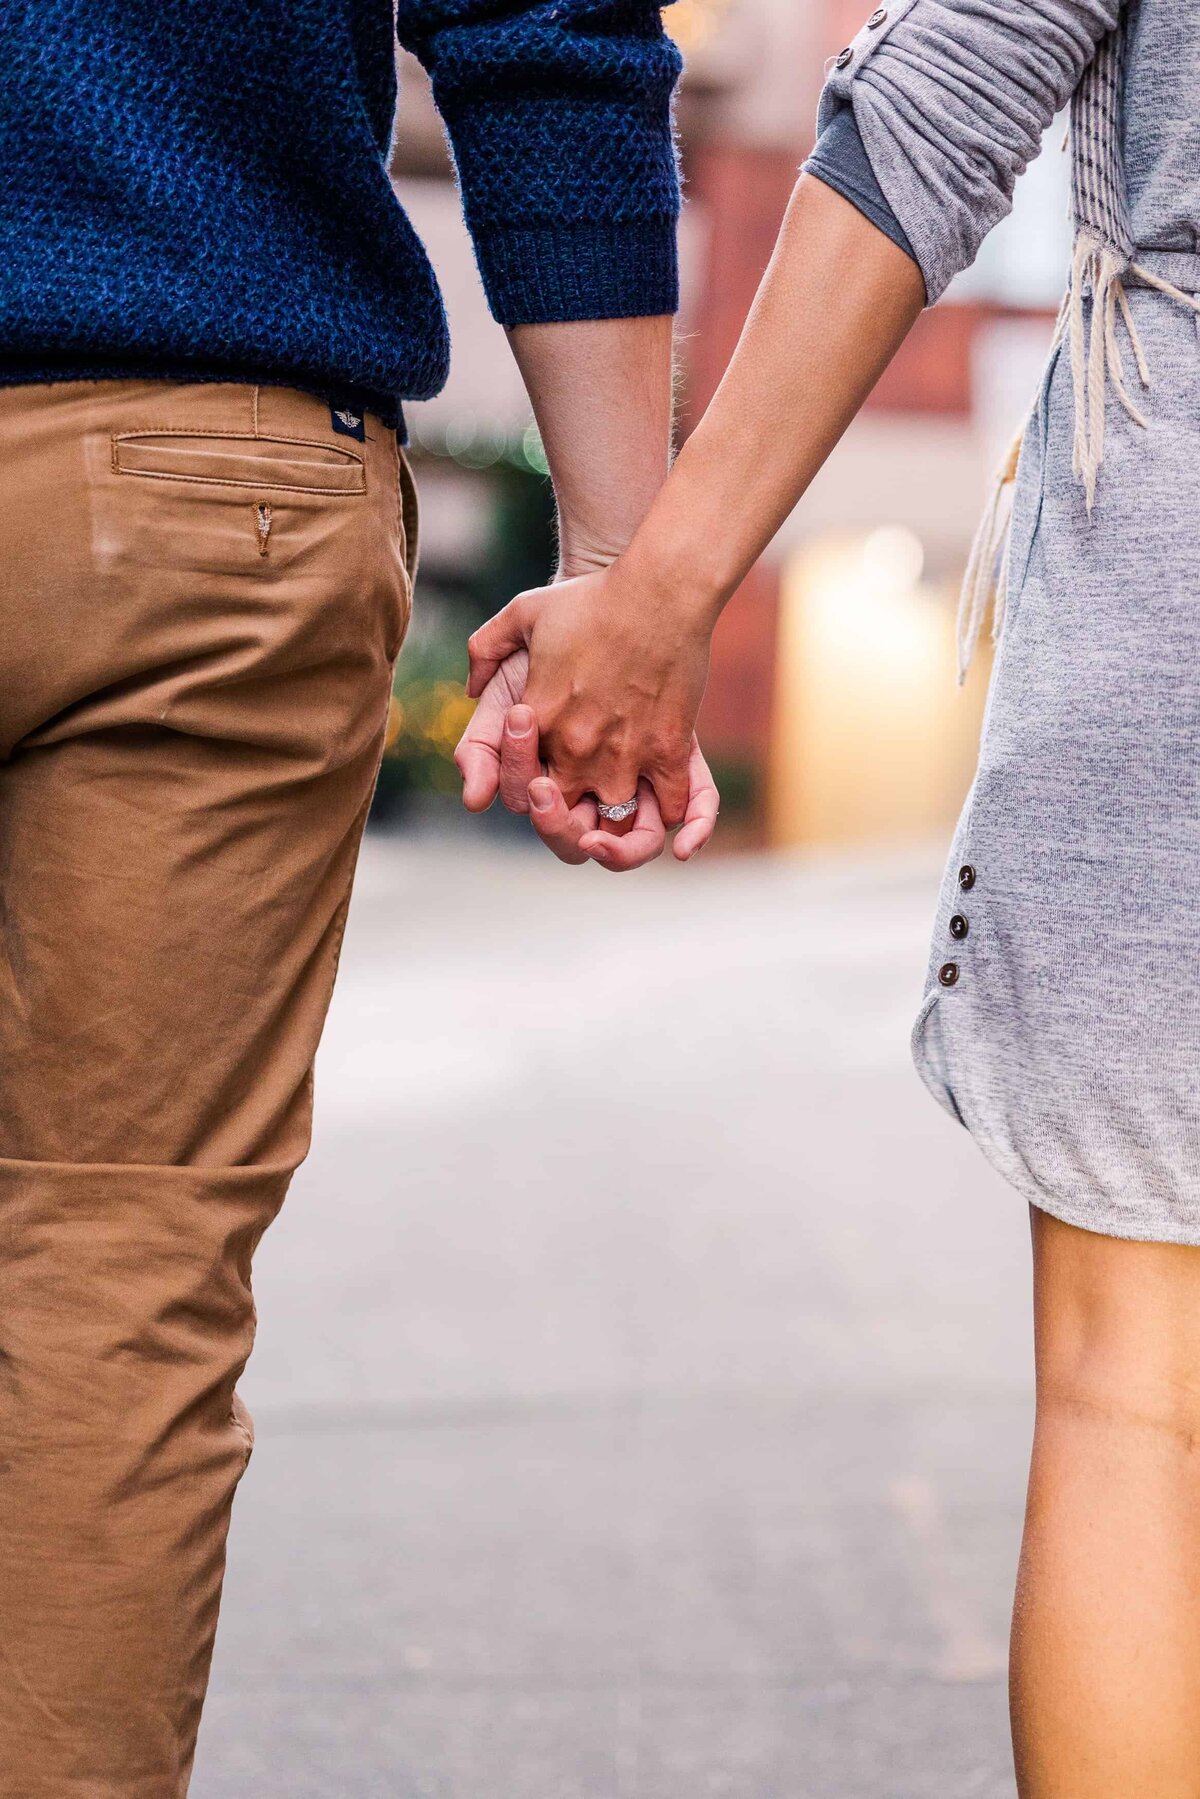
602 393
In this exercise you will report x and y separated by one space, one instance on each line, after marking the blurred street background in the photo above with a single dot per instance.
642 1379
643 1373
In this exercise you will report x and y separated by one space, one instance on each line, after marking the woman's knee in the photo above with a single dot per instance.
1117 1329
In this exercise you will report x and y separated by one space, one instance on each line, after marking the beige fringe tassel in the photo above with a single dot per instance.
985 583
1096 360
1096 355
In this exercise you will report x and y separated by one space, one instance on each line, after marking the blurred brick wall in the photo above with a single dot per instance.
743 190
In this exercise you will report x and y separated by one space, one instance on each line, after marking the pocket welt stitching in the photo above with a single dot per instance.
344 459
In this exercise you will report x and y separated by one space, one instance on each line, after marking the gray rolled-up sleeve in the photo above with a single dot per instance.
840 160
952 99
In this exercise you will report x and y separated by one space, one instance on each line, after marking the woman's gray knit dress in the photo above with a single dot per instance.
1062 1018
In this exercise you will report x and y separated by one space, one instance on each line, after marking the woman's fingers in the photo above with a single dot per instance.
583 762
672 787
704 803
560 826
500 750
614 789
642 842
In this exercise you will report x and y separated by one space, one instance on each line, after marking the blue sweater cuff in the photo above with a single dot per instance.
545 274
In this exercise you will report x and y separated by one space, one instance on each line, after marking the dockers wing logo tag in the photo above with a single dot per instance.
348 423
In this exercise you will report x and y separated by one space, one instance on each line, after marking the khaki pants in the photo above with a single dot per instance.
202 591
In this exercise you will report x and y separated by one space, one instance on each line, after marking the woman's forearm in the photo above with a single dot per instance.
834 306
618 659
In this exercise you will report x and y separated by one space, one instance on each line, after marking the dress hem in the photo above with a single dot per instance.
1051 1201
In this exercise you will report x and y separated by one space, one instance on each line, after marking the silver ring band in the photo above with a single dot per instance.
615 814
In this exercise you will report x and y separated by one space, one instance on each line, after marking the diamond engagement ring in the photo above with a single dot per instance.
626 809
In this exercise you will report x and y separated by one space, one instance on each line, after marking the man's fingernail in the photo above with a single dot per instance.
541 795
520 721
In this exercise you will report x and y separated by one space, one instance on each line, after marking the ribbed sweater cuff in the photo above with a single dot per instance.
541 274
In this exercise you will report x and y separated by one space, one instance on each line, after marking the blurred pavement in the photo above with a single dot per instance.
642 1385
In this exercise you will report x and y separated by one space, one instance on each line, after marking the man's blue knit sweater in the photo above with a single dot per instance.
198 189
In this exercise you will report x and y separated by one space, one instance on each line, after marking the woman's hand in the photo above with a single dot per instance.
499 753
616 676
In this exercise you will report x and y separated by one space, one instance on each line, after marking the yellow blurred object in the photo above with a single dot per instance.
694 23
873 740
452 717
434 714
395 724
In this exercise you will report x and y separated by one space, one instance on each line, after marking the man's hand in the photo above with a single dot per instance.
601 393
499 753
615 680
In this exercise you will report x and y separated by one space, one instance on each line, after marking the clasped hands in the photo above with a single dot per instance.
588 692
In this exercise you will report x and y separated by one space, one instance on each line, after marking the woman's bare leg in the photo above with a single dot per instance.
1106 1628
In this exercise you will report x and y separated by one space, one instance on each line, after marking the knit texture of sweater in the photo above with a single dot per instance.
200 191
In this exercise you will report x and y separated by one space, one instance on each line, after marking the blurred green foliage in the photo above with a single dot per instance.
429 708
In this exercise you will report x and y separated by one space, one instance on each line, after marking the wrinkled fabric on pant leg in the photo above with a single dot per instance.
202 591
